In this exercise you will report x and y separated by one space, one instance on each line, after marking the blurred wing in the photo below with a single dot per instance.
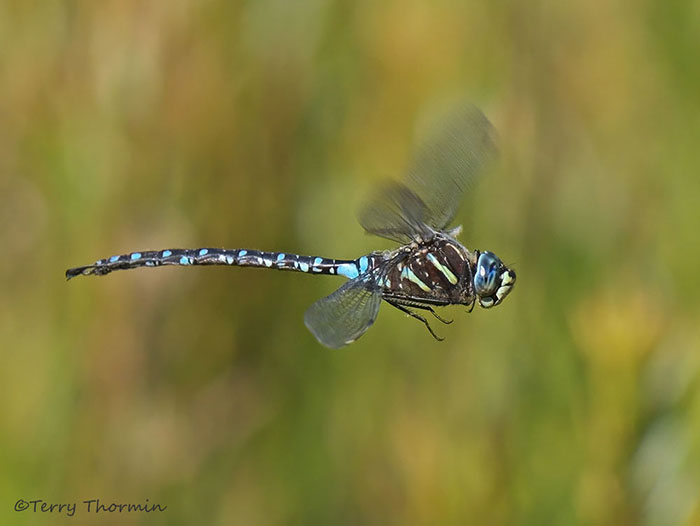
448 161
396 213
344 316
444 165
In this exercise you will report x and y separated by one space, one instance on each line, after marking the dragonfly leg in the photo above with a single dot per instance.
418 317
443 320
416 305
432 311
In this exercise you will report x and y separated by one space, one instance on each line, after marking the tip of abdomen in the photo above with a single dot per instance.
79 271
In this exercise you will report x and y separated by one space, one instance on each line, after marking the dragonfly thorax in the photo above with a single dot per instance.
437 272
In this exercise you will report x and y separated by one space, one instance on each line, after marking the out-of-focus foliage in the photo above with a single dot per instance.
131 125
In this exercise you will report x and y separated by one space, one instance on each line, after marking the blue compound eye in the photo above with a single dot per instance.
487 268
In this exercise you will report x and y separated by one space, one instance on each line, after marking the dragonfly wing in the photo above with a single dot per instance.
344 316
448 161
396 213
444 165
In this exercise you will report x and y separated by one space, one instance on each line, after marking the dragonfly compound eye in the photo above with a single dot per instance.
493 281
486 277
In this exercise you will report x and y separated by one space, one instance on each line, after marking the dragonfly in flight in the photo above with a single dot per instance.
429 269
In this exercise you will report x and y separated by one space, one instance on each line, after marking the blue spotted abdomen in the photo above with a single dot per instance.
233 257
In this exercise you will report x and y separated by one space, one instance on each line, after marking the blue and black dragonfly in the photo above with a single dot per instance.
429 269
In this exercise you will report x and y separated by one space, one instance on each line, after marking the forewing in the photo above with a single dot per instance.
344 316
396 213
447 162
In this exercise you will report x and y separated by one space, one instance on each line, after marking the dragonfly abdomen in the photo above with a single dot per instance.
228 257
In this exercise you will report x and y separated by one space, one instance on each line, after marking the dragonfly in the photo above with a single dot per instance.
429 269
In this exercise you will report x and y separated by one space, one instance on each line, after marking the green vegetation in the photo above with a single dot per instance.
130 126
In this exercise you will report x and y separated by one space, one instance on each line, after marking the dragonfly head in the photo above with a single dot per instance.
493 281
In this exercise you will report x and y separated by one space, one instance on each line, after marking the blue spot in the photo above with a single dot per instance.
280 257
203 252
229 260
136 255
242 253
166 253
150 264
349 270
318 261
113 259
184 260
304 267
364 263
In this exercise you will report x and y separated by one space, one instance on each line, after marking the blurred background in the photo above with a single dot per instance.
263 124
